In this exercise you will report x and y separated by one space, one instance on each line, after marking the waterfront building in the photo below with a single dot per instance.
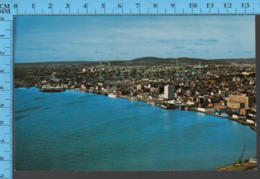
206 110
250 121
83 87
240 101
253 160
169 91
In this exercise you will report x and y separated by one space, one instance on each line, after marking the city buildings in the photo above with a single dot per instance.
228 89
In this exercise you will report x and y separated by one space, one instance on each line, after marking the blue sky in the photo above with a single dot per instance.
95 38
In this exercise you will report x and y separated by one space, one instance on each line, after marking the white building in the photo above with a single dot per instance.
139 87
190 102
253 160
206 110
250 121
234 116
169 91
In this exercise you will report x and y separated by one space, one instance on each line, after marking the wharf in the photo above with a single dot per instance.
245 165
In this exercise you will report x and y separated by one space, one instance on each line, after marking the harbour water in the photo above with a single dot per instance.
73 130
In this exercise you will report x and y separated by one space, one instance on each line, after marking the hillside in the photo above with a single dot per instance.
191 61
149 61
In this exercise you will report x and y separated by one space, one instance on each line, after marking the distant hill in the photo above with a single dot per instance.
241 61
33 64
192 61
149 61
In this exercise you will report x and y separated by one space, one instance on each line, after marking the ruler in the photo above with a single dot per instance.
11 8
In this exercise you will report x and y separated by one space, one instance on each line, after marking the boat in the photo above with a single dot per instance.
112 95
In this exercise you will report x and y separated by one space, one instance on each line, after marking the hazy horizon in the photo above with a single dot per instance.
124 38
133 59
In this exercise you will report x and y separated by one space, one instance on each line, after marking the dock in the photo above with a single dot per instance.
245 165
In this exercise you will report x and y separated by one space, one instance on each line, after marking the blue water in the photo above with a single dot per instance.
83 131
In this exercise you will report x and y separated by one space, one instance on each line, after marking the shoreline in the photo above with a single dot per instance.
153 103
245 165
188 109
